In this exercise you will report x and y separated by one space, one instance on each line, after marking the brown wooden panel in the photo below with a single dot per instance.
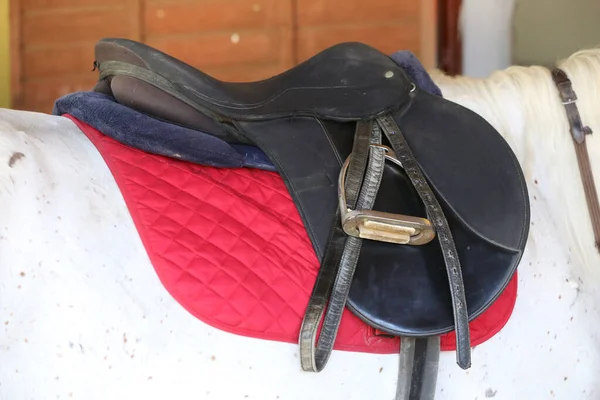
59 60
173 18
246 72
56 45
34 5
428 54
222 49
74 25
386 38
52 41
16 45
347 12
41 94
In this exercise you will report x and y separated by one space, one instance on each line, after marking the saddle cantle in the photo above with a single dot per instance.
350 133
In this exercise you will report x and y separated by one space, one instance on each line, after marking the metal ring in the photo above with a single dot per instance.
343 205
387 149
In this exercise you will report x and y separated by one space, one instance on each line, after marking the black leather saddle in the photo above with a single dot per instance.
415 205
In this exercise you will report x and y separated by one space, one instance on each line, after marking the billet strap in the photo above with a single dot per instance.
418 368
578 133
437 218
365 171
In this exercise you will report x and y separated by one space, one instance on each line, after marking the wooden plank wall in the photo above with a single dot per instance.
52 41
4 55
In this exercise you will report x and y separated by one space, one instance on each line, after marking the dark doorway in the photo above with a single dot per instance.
449 40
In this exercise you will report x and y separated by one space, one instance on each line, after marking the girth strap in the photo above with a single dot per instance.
418 368
578 133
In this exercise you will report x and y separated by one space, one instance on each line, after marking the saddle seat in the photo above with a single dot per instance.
305 119
347 82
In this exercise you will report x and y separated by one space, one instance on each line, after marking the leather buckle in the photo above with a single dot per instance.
567 93
378 225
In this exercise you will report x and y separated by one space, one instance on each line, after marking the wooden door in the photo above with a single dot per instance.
449 39
52 41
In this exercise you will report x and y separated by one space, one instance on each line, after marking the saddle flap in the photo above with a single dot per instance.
470 166
404 290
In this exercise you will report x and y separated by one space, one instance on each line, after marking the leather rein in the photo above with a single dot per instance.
578 133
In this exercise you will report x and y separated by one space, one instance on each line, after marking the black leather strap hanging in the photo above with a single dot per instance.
365 170
437 218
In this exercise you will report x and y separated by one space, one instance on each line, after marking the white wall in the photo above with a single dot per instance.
486 36
542 34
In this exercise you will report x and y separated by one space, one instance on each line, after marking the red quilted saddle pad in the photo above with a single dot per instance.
230 247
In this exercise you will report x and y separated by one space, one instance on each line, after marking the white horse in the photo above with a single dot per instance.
84 316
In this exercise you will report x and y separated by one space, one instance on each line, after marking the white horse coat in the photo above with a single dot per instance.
84 315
